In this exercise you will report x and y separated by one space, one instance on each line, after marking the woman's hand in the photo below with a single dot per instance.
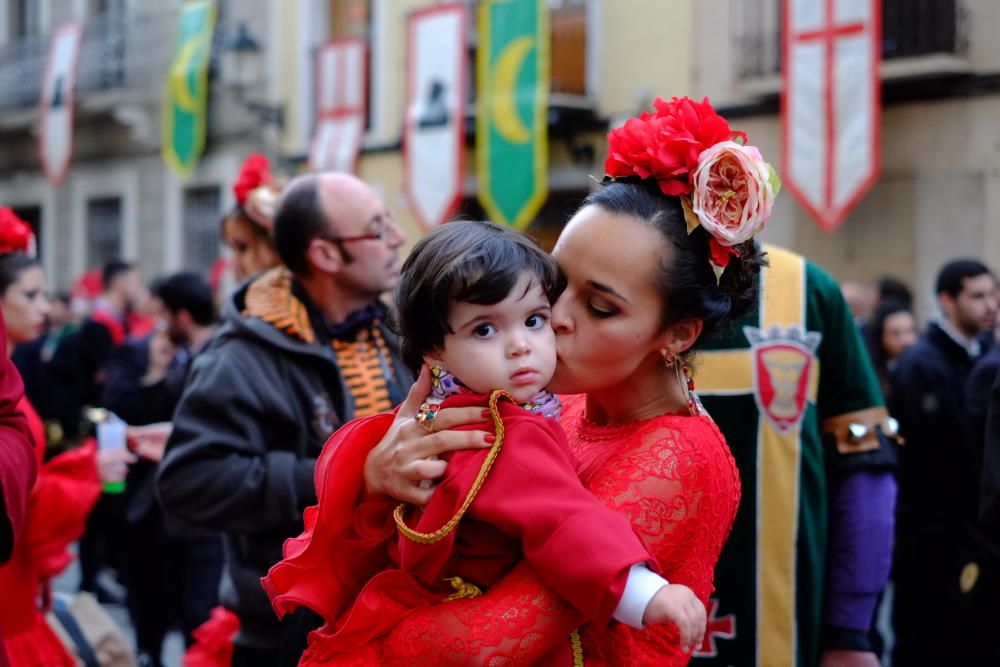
404 457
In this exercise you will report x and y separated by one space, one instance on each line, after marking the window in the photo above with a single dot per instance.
104 229
201 227
24 19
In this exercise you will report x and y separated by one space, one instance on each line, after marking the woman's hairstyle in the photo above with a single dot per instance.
237 213
12 265
686 279
876 329
471 261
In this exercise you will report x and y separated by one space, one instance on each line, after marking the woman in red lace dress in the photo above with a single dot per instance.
65 490
653 262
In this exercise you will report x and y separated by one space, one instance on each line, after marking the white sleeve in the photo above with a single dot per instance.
640 588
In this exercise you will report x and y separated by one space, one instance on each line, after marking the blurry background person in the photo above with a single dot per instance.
171 570
861 299
67 486
247 228
890 288
891 331
935 620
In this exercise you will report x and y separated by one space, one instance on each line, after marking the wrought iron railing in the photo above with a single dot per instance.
120 51
910 28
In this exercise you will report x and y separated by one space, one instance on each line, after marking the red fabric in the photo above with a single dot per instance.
66 489
139 325
111 323
532 500
88 285
213 641
17 461
676 481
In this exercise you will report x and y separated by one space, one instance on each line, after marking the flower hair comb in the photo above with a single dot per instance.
255 189
15 234
724 185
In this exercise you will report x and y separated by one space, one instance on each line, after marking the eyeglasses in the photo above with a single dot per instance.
379 230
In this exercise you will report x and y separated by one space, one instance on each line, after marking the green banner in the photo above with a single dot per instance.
185 94
512 115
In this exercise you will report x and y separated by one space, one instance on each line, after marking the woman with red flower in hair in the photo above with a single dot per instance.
659 258
246 229
67 485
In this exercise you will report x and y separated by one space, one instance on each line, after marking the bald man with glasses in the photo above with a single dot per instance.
303 349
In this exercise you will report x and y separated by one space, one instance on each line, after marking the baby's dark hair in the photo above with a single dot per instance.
473 261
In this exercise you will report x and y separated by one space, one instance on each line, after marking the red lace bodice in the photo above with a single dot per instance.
673 476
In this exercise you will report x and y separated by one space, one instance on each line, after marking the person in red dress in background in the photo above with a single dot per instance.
653 262
17 462
66 488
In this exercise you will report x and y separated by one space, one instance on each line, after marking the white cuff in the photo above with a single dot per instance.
640 588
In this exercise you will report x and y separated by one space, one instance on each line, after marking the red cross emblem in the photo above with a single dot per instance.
830 103
723 628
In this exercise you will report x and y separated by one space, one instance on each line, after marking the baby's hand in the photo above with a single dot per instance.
678 604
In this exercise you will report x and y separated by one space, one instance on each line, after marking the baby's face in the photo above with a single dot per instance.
507 345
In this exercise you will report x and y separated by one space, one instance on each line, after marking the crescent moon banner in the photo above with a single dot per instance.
434 133
341 69
830 104
55 140
185 95
512 109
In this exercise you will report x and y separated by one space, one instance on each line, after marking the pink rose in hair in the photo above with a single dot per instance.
734 190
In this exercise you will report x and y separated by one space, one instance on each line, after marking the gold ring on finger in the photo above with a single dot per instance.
425 416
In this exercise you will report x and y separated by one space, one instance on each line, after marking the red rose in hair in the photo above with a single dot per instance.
253 174
665 145
15 233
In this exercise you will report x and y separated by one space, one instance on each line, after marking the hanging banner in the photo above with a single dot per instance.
341 73
831 103
434 133
55 139
512 109
185 96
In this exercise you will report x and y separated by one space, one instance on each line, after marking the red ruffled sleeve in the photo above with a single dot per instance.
343 545
67 488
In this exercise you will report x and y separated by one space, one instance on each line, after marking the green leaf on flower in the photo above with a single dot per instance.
773 180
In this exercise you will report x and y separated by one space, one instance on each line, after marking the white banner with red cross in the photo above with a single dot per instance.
55 138
434 132
341 73
830 111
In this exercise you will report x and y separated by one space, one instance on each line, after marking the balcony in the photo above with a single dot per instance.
920 39
122 56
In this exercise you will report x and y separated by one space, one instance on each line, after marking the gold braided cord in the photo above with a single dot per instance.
430 538
577 647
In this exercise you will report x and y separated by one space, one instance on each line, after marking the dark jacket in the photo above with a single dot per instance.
139 404
259 403
989 509
937 481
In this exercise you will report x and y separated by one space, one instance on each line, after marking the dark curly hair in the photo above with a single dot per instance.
472 261
688 283
12 265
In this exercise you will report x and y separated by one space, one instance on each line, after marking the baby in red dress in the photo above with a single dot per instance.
473 298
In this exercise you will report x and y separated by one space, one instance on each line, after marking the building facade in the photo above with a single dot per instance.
937 198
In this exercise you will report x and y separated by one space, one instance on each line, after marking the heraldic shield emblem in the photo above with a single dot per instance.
782 371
